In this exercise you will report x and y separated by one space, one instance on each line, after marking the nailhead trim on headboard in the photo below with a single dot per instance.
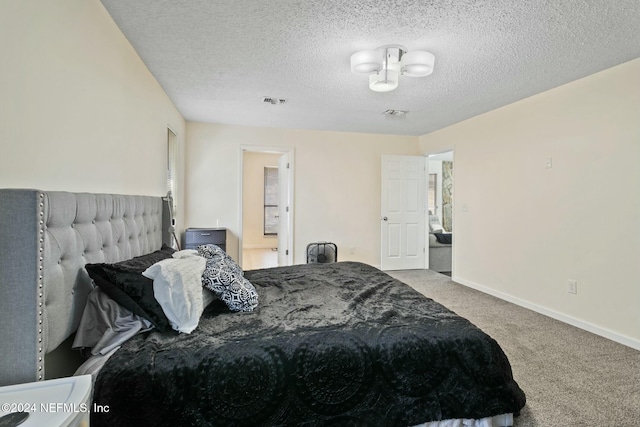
41 230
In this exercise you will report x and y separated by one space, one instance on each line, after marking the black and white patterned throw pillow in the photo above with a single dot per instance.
224 277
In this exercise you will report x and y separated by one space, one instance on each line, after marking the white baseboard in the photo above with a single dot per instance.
603 332
258 247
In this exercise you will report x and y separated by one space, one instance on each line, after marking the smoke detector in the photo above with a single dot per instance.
395 112
273 101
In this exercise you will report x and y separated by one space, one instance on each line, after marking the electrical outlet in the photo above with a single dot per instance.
572 286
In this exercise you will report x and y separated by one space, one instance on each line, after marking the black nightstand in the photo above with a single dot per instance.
195 237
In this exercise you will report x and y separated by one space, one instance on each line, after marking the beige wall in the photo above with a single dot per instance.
337 183
79 110
253 199
523 230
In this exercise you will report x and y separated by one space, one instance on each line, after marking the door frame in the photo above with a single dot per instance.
272 150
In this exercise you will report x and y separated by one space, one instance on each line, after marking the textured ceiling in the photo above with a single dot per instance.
217 59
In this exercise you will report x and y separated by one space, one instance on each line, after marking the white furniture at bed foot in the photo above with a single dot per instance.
503 420
63 402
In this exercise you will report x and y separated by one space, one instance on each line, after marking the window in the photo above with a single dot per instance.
270 201
433 201
172 166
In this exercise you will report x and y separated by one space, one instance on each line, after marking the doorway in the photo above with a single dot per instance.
266 201
440 212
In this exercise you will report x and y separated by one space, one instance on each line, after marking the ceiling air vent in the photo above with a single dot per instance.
395 112
273 101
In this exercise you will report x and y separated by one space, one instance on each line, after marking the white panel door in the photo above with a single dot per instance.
285 254
402 214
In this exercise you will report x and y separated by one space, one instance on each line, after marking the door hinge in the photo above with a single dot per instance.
286 252
287 165
287 209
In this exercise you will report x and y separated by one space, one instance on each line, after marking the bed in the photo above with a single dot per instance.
327 344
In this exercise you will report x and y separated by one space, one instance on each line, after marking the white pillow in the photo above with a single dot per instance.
434 224
185 253
177 286
207 296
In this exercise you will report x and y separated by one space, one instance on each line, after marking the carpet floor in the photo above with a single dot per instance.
572 378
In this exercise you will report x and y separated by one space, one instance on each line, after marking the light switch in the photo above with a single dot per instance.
548 163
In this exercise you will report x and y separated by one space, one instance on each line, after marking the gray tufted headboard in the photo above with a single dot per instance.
46 238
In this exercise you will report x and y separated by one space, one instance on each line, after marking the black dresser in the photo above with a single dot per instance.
195 237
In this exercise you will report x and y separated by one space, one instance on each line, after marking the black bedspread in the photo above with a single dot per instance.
330 344
444 238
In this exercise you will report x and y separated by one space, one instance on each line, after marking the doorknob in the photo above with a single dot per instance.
384 218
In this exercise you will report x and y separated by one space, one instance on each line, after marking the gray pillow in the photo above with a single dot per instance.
223 276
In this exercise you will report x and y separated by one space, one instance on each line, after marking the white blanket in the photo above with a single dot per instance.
177 286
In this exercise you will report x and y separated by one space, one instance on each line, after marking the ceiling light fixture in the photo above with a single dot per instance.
387 63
